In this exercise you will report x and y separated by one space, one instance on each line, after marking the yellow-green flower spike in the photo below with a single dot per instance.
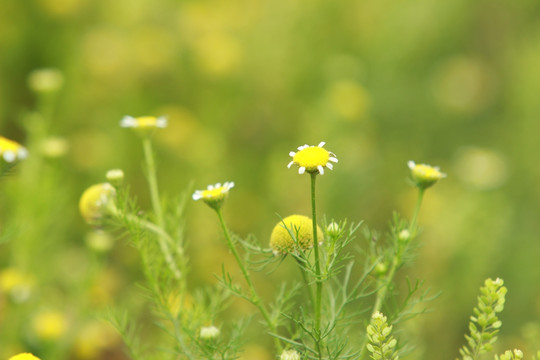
214 195
312 159
144 125
24 356
95 201
424 175
11 151
301 227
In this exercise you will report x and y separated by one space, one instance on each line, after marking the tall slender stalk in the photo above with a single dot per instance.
255 299
396 263
318 280
156 204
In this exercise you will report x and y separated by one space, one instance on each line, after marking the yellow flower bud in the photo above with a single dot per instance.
299 226
95 202
24 356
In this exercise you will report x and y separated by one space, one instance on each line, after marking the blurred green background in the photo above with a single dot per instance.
453 83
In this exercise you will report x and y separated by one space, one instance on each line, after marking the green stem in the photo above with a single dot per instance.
318 280
412 225
255 299
306 281
396 263
156 205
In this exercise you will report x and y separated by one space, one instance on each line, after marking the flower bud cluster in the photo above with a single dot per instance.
484 325
381 344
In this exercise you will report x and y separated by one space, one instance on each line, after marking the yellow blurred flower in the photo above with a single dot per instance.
95 201
348 99
16 284
299 226
312 159
49 325
482 169
463 84
54 147
94 339
153 48
24 356
45 80
218 53
10 151
62 8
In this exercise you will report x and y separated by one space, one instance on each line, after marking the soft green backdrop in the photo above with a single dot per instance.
453 83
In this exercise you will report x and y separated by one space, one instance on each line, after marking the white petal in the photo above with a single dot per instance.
128 121
161 122
197 195
9 156
321 144
218 185
231 184
333 159
321 169
411 164
210 187
301 170
292 153
22 153
330 166
290 164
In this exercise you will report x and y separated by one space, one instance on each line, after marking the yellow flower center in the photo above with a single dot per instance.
147 121
8 145
214 193
426 172
311 157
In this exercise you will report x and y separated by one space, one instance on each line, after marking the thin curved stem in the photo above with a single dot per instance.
396 263
255 299
156 205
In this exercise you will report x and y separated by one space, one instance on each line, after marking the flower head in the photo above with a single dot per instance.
312 159
214 195
424 175
10 151
293 233
209 332
24 356
289 355
144 125
95 202
115 177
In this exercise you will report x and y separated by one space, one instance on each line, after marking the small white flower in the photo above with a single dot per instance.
144 124
214 195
